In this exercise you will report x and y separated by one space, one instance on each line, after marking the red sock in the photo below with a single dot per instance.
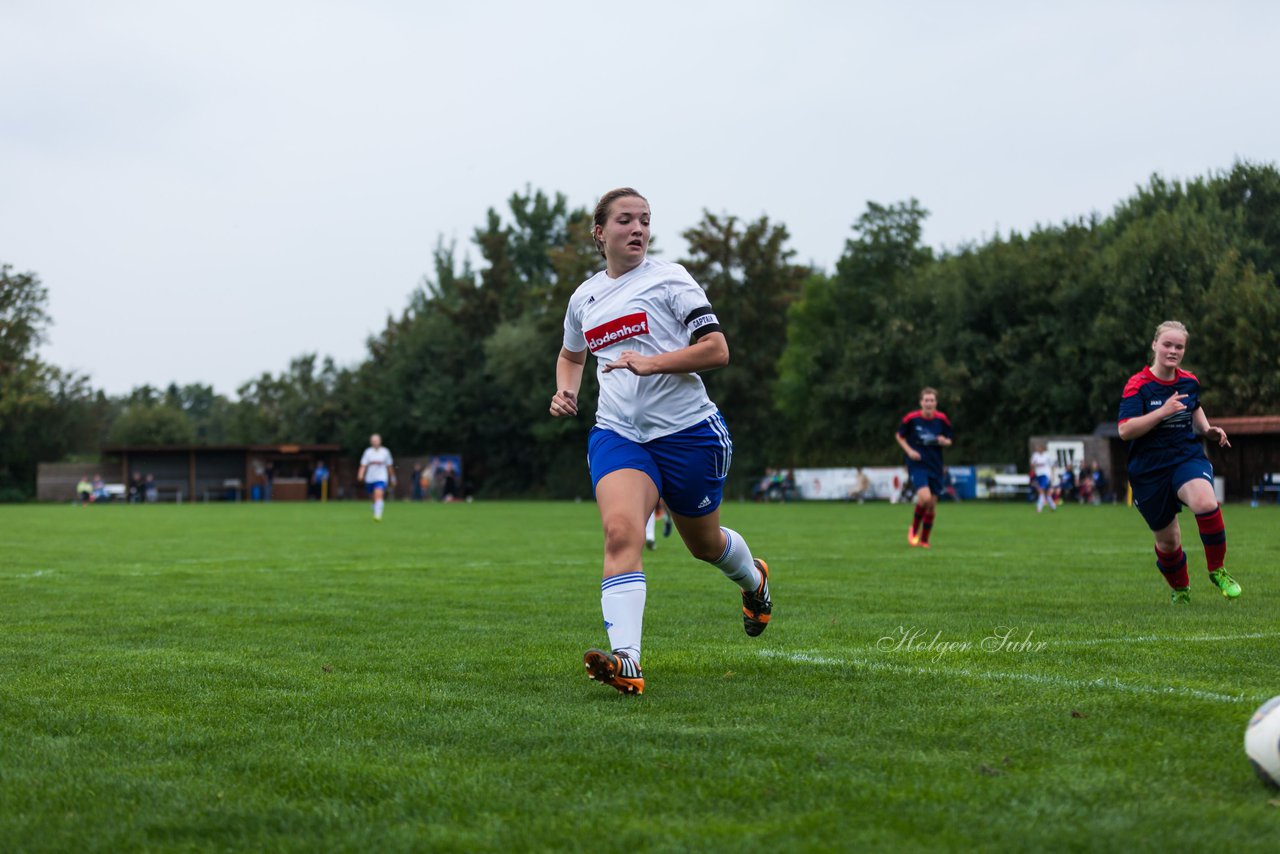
915 523
1173 565
1213 533
928 526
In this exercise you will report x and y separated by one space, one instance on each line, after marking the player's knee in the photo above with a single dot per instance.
621 533
1201 504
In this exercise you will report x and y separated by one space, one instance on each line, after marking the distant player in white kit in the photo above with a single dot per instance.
375 472
1041 478
657 433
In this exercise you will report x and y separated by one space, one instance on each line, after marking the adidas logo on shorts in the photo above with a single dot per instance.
706 502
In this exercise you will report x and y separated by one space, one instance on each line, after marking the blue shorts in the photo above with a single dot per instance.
688 467
923 476
1042 481
371 485
1156 495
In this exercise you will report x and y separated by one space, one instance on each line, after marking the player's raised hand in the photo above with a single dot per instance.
944 441
1174 404
564 403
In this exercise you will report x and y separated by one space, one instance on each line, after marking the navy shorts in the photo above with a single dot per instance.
1156 496
922 476
688 467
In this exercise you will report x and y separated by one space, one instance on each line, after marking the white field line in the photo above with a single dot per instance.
1105 683
1166 639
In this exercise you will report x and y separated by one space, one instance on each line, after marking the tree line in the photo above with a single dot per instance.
1022 334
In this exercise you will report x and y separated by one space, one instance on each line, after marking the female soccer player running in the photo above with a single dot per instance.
1162 420
922 435
657 434
1041 471
376 472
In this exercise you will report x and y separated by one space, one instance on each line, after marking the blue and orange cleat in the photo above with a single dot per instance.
615 669
757 606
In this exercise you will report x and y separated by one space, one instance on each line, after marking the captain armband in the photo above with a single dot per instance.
702 321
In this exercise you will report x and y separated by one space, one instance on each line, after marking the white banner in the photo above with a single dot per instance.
845 484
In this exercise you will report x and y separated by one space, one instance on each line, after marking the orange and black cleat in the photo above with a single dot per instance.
616 669
757 606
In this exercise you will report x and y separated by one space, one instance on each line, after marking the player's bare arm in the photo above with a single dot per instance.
568 380
906 448
707 353
1200 422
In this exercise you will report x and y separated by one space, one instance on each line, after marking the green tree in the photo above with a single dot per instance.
749 277
23 317
468 366
156 424
859 342
45 412
296 406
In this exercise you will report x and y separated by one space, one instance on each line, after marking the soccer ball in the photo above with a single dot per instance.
1262 742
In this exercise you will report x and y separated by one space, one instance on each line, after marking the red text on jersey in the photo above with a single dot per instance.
619 329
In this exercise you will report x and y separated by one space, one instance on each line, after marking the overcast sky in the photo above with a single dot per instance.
210 189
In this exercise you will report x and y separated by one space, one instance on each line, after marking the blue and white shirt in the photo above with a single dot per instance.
376 461
655 308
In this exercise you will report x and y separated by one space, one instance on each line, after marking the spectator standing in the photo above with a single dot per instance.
416 485
320 480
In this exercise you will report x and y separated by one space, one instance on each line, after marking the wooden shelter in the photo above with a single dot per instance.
1254 452
221 472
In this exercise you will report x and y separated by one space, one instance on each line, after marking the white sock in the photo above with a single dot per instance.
622 603
736 562
648 529
377 509
1040 502
1052 506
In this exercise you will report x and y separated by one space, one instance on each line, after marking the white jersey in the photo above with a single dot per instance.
376 461
652 309
1041 463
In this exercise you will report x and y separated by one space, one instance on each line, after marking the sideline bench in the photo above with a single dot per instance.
1009 486
1270 483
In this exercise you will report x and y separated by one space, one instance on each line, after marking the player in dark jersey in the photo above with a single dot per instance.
922 435
1164 424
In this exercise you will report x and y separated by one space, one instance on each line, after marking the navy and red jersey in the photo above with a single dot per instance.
922 435
1173 440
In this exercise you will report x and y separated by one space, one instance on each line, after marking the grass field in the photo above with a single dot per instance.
296 678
